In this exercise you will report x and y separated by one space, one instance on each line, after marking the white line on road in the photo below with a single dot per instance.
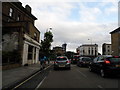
28 79
82 73
40 83
99 86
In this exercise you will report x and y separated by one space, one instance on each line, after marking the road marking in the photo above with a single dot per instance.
47 67
28 79
99 86
82 73
40 83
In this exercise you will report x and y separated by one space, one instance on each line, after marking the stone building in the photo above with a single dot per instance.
115 38
58 51
107 49
20 37
89 50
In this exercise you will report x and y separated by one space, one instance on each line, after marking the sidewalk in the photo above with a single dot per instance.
13 76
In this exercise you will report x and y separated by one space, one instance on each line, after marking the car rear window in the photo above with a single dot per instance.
76 57
86 59
62 58
114 59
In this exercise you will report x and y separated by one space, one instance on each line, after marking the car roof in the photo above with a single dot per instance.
105 56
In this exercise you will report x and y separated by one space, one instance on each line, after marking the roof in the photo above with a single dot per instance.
19 5
115 31
106 44
89 45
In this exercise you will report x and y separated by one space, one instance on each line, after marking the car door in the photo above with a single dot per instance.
100 62
94 64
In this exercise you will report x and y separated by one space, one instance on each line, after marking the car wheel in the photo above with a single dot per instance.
102 73
80 65
69 68
90 69
55 68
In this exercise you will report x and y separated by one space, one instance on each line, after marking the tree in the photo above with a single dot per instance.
46 44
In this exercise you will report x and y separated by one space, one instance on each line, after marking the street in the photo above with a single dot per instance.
75 78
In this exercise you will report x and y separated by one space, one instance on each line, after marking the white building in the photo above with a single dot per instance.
88 50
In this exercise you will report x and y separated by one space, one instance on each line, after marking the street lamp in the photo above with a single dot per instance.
48 29
91 40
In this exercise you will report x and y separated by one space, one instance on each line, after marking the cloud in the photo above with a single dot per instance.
89 24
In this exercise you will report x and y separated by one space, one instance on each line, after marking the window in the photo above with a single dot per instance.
11 12
95 60
18 18
35 36
89 51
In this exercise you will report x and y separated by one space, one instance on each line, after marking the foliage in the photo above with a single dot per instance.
46 44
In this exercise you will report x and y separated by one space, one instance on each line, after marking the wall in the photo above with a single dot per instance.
115 44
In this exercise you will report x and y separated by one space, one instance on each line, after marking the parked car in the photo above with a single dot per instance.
75 59
84 61
62 62
106 65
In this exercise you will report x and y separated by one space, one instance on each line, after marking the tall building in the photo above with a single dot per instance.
89 50
107 49
64 46
20 37
115 38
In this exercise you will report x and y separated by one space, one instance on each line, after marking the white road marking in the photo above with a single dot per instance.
99 86
40 83
82 73
28 79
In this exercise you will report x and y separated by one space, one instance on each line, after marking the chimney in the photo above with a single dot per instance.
28 8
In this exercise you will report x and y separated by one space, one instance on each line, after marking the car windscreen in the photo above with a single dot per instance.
113 59
61 59
87 59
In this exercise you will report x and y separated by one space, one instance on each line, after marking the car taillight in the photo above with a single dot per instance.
67 61
107 61
55 62
116 56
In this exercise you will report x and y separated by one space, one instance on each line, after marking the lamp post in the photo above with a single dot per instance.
91 40
48 29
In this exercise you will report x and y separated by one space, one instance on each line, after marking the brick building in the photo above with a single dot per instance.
20 38
107 49
115 38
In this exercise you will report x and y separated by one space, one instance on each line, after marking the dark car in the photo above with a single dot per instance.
75 59
106 65
84 61
62 62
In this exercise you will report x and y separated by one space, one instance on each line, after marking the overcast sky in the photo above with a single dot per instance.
75 21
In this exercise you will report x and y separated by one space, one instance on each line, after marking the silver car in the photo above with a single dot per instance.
62 62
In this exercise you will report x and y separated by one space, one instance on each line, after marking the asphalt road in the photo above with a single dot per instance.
75 78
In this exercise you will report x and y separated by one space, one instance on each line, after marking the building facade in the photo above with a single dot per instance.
107 49
20 37
115 38
58 51
88 50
